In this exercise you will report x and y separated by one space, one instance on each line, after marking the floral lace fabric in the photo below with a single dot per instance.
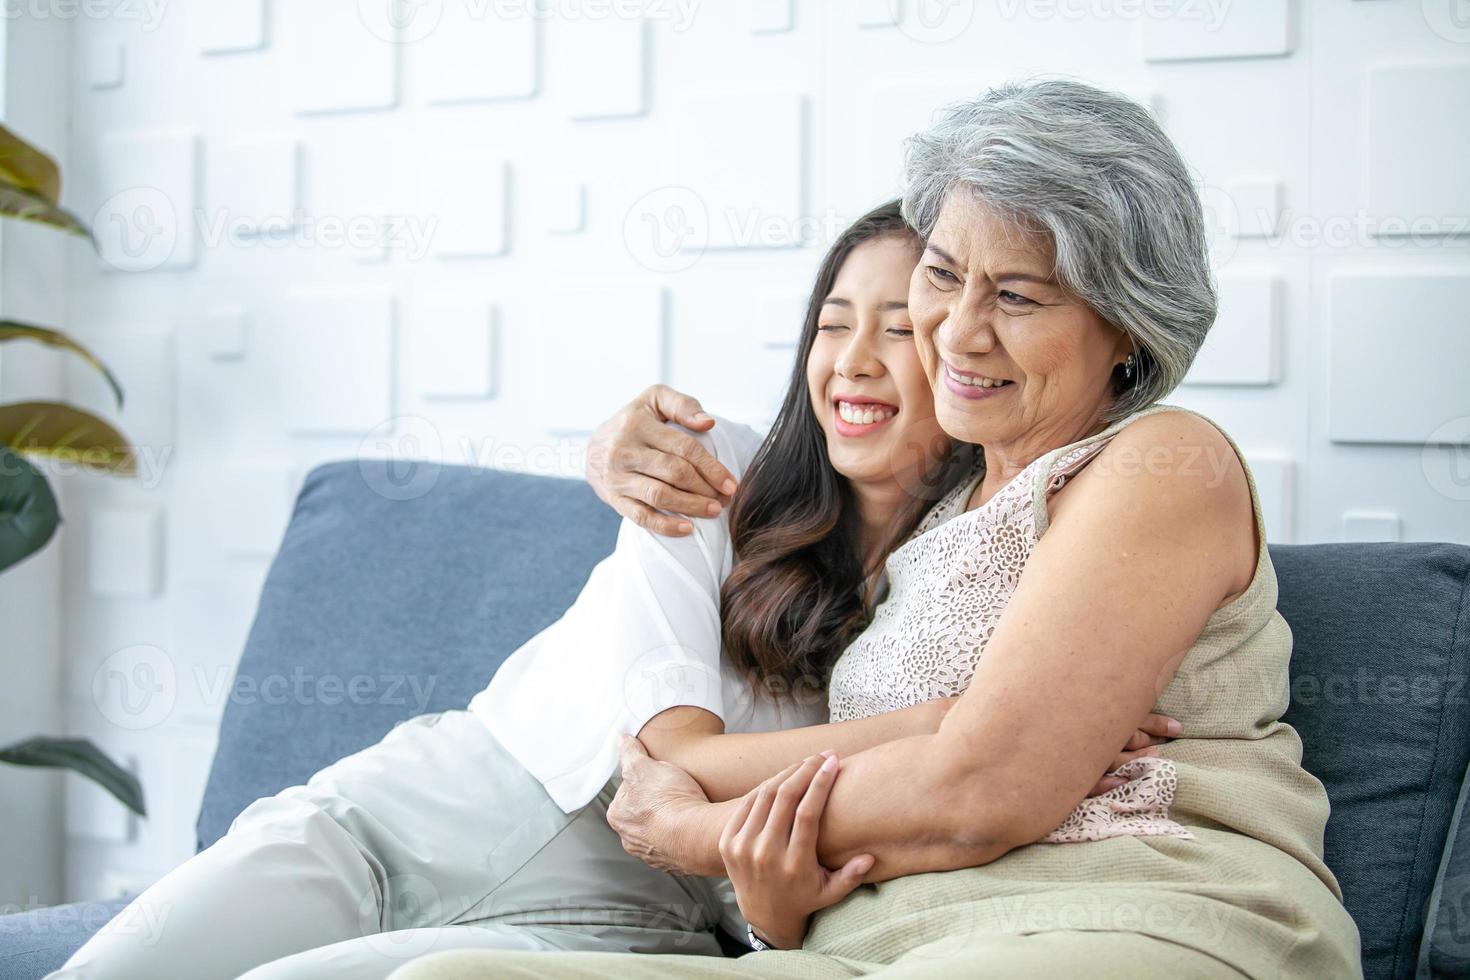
948 585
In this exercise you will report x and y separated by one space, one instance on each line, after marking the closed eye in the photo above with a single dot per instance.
831 327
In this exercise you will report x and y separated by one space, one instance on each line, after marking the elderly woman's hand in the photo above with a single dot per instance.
1156 730
656 811
640 466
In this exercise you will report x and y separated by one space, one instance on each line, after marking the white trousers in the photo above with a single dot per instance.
433 839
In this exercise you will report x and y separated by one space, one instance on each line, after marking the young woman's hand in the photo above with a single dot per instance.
769 846
1155 730
641 466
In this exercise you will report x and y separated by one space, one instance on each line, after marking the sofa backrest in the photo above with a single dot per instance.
397 592
1380 662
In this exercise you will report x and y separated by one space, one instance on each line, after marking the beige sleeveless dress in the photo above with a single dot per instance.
1245 893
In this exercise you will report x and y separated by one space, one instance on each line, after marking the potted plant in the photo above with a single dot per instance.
30 190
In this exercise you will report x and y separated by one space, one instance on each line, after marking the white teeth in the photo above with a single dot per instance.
864 414
975 381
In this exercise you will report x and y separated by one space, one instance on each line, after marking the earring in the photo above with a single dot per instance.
1130 369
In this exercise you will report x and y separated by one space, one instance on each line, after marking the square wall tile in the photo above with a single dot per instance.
603 73
768 16
148 187
1419 148
125 552
1243 347
1406 326
574 363
106 62
453 344
229 26
466 198
254 187
480 52
334 355
1187 30
340 59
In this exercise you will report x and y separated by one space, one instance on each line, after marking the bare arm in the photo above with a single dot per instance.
729 765
1114 595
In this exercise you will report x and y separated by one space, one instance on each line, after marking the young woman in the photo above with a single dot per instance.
487 828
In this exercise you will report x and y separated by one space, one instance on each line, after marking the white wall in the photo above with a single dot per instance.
34 100
550 163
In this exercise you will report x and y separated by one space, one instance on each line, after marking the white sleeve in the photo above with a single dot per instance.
643 636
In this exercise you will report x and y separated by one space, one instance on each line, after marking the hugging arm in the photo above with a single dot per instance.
1114 595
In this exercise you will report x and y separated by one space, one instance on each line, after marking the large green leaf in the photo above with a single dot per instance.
17 202
65 432
15 330
28 168
28 514
80 756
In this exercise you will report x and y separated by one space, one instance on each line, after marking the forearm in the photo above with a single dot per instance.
727 766
898 801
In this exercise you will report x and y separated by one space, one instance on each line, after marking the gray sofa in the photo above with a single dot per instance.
423 580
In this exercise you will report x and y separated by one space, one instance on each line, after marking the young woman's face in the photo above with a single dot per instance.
868 386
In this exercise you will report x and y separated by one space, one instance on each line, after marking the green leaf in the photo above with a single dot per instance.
15 330
28 514
28 168
80 756
66 432
17 202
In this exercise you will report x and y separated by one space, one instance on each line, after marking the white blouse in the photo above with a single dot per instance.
642 637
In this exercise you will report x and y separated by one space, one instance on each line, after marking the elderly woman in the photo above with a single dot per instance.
1107 557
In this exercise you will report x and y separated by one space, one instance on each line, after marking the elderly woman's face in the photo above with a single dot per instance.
1009 354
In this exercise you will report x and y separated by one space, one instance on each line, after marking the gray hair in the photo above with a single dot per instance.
1093 171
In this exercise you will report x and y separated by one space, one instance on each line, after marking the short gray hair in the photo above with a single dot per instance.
1092 170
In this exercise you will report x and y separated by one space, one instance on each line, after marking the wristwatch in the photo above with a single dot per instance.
753 941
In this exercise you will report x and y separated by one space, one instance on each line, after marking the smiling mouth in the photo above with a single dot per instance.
864 413
974 380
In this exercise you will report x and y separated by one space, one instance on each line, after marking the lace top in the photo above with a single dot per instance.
948 585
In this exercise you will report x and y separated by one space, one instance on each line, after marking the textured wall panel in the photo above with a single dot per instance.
334 354
148 187
1419 148
106 63
603 72
227 26
466 195
339 60
1242 348
768 16
1257 206
1399 350
742 155
254 188
1371 526
480 52
453 348
1191 30
573 363
125 552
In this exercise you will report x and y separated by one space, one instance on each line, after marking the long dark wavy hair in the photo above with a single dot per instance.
796 595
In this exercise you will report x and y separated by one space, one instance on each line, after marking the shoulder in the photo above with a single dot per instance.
1173 466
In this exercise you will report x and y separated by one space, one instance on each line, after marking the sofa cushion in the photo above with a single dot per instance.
1379 668
1446 949
395 592
32 944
